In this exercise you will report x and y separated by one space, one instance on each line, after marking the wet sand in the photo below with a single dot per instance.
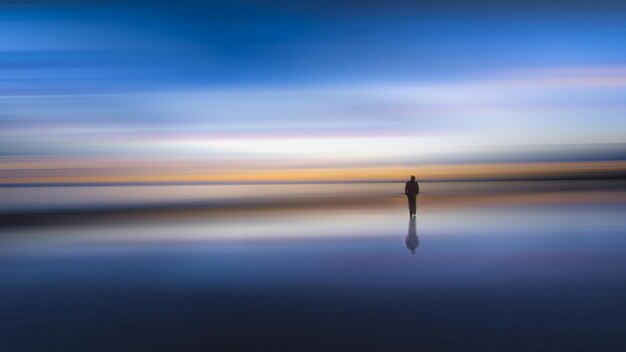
514 271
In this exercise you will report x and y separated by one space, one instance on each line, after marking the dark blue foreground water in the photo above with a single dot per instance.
485 278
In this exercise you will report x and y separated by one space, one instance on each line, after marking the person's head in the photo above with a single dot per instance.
412 178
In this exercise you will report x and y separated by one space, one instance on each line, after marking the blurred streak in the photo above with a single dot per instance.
193 173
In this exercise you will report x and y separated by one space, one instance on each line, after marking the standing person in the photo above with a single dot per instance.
411 190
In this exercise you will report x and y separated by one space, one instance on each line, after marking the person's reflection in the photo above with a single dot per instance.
412 242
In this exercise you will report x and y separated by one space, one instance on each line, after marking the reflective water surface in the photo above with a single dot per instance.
505 275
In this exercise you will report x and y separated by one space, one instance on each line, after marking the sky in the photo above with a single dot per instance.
193 90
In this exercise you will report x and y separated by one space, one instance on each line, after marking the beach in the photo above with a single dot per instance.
537 267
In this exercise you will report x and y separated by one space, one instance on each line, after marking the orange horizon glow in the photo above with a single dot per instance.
181 173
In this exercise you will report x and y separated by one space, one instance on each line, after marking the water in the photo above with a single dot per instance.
511 272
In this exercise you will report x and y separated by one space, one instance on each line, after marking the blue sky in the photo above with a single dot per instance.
446 80
101 45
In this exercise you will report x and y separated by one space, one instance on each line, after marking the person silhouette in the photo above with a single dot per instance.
412 242
411 190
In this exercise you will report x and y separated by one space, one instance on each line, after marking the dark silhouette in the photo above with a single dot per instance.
411 190
412 242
